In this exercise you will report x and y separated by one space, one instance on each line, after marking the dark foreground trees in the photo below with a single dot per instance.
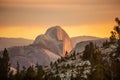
30 73
101 70
4 65
115 57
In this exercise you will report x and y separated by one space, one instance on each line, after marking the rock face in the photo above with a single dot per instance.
46 48
56 40
80 47
30 55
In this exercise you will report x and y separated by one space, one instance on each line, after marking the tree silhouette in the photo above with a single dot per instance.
40 72
4 65
115 34
114 60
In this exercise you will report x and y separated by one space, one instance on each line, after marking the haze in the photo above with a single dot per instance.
29 18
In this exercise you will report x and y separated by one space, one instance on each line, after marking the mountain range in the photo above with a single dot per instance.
52 45
10 42
78 39
44 49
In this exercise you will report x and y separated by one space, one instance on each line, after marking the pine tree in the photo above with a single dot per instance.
113 37
17 75
23 73
4 65
114 60
40 72
98 69
106 44
30 74
89 51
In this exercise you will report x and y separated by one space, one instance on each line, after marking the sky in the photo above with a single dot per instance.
29 18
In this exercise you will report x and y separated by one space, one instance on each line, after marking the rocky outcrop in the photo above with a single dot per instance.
46 48
56 40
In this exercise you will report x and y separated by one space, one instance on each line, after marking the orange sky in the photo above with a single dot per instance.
83 30
29 18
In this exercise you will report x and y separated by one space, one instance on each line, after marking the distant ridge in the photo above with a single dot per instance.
10 42
78 39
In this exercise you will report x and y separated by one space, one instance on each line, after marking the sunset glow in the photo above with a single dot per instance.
83 30
30 18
